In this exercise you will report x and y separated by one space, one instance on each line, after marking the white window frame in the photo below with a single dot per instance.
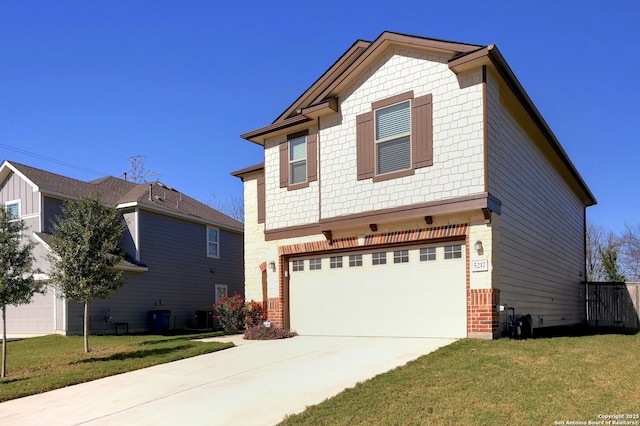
299 160
220 291
428 254
335 262
217 243
401 256
355 260
453 251
12 202
377 141
315 264
297 265
379 258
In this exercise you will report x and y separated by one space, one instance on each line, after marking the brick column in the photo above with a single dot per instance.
483 320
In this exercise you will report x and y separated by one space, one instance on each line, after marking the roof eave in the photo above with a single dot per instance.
491 56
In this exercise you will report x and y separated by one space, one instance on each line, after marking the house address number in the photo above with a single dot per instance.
479 265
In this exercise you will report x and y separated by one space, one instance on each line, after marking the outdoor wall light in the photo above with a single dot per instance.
272 265
478 246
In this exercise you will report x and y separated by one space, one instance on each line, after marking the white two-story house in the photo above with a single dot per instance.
414 190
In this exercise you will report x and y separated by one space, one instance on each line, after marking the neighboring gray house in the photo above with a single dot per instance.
181 254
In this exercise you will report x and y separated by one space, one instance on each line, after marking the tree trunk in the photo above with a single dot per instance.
86 328
4 341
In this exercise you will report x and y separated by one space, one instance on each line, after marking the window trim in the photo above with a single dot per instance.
356 262
379 258
297 265
18 202
377 142
427 254
315 264
456 249
335 262
298 161
421 139
401 256
215 291
311 159
216 242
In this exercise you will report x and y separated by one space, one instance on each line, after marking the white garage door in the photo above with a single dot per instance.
417 291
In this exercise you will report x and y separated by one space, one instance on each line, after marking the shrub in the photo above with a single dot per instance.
231 312
262 332
255 314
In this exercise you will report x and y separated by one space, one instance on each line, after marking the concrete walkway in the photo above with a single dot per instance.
255 383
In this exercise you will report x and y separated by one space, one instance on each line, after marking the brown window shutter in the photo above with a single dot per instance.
422 131
284 164
312 157
365 145
261 199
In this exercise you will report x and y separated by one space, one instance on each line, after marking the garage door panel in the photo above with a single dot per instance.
413 299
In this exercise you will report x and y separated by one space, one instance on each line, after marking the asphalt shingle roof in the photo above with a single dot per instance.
154 196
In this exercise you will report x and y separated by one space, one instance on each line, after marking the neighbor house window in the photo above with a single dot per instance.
298 265
427 254
453 252
355 260
221 290
13 210
395 137
392 138
401 256
213 242
335 262
379 258
315 264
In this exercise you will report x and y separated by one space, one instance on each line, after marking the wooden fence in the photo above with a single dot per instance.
613 304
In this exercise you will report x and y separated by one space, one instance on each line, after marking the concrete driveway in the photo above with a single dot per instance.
255 383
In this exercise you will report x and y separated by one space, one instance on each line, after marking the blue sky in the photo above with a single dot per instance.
86 85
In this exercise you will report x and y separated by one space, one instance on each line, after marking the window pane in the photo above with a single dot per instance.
427 254
213 249
401 256
335 262
315 264
213 235
297 149
394 155
13 210
355 260
298 265
453 252
379 258
393 120
299 172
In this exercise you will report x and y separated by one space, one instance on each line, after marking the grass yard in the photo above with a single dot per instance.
45 363
516 382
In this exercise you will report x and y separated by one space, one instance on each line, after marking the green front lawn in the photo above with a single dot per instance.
503 382
42 364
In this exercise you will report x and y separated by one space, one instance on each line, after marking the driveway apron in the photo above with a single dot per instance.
254 383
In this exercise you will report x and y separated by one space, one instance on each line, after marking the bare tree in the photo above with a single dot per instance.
232 205
630 258
138 173
595 240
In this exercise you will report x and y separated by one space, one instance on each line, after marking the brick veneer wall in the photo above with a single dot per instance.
483 320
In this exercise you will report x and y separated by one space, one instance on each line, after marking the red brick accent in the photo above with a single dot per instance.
482 315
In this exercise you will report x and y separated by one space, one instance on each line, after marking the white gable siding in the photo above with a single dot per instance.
458 145
457 137
541 246
284 207
16 188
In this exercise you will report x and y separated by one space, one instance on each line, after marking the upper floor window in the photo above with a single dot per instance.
395 137
13 210
298 158
213 242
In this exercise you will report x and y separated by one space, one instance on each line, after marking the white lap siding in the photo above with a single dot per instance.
541 245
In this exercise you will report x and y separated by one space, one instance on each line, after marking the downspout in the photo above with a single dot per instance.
318 174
